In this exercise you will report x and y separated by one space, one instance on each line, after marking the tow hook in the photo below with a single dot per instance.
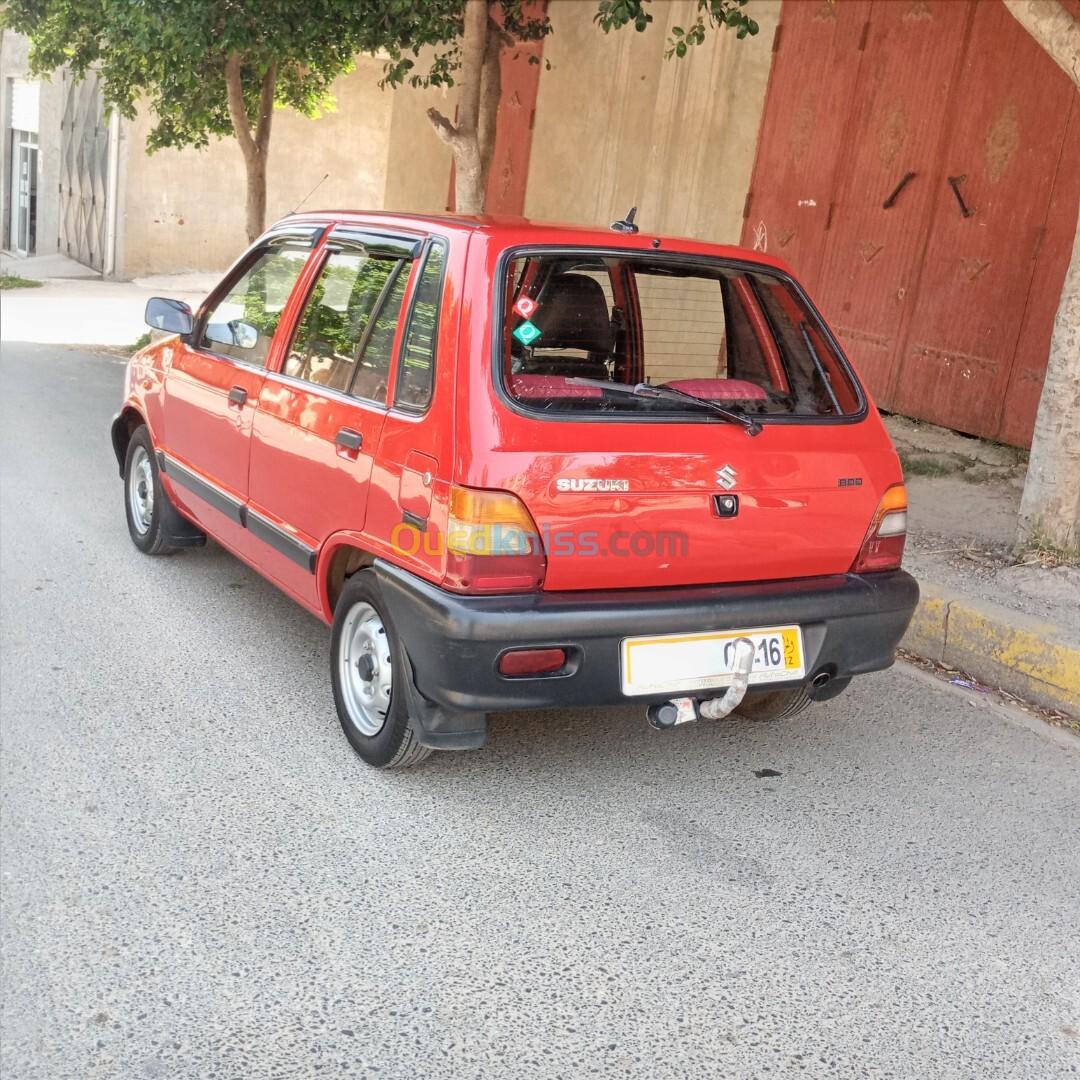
665 715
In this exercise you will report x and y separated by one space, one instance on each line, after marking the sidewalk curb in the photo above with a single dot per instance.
1034 659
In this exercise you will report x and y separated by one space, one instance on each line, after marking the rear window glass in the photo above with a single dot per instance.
584 332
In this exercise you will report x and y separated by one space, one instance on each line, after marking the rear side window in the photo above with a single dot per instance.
416 373
583 331
345 336
243 323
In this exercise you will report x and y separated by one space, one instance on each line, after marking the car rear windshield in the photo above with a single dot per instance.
628 334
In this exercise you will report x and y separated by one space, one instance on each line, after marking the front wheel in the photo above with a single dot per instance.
366 675
144 497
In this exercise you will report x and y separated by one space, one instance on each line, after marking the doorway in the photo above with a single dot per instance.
24 178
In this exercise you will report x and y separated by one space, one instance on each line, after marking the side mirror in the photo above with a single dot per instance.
172 316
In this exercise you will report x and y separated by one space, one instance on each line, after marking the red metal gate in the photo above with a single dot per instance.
932 207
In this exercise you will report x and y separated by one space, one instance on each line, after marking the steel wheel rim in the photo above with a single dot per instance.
365 669
141 491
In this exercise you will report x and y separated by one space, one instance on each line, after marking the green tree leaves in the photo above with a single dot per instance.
711 14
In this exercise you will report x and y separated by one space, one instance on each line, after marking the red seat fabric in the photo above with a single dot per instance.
720 389
529 387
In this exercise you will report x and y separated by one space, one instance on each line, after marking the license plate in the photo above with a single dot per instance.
687 662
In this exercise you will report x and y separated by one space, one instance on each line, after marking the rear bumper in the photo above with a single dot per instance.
851 625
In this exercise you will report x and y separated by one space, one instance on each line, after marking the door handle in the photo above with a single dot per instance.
954 183
348 439
237 395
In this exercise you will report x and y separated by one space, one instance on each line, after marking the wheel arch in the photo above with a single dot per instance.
340 559
123 427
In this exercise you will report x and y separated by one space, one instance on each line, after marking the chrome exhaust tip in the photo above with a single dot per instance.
663 716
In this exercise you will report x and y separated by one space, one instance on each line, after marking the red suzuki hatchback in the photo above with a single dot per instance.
527 466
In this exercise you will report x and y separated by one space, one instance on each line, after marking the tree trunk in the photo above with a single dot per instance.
1050 505
256 197
472 140
490 93
254 145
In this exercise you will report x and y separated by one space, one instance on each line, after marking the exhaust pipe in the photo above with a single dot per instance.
667 714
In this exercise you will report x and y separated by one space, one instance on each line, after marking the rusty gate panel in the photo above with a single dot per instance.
802 130
990 207
887 179
1021 403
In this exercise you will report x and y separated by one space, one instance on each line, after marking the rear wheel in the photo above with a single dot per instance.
144 498
774 704
364 667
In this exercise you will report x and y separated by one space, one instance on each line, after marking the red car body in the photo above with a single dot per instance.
255 457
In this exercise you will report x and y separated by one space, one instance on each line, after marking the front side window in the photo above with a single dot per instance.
344 338
243 323
627 334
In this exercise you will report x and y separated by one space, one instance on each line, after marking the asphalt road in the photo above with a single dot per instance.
200 879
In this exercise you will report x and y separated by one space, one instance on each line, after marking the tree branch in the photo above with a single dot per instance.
241 122
266 109
444 129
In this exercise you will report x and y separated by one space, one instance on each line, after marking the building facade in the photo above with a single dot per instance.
916 161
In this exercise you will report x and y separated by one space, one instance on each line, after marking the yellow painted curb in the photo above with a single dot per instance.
1029 657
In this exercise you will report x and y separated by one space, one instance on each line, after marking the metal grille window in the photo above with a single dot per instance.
84 170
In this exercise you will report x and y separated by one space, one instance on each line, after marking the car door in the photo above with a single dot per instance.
320 416
213 381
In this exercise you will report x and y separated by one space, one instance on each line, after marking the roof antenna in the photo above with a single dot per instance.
627 224
309 194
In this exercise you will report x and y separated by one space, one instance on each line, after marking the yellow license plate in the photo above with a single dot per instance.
683 663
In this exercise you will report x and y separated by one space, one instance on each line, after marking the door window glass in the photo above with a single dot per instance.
345 336
243 323
416 375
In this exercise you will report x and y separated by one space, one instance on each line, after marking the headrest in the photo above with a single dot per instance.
573 314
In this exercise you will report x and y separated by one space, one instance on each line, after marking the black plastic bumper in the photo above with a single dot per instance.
851 625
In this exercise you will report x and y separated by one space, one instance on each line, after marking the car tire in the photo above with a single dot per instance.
144 497
365 665
774 704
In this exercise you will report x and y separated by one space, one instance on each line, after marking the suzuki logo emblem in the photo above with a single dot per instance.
726 477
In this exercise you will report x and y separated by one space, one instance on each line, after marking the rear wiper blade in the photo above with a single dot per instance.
670 392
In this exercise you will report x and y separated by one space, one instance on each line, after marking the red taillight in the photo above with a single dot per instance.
531 661
883 548
492 544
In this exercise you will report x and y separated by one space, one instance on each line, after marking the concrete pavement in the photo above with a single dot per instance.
200 879
75 307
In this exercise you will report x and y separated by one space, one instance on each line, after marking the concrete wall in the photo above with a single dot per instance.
184 209
617 125
418 161
13 65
